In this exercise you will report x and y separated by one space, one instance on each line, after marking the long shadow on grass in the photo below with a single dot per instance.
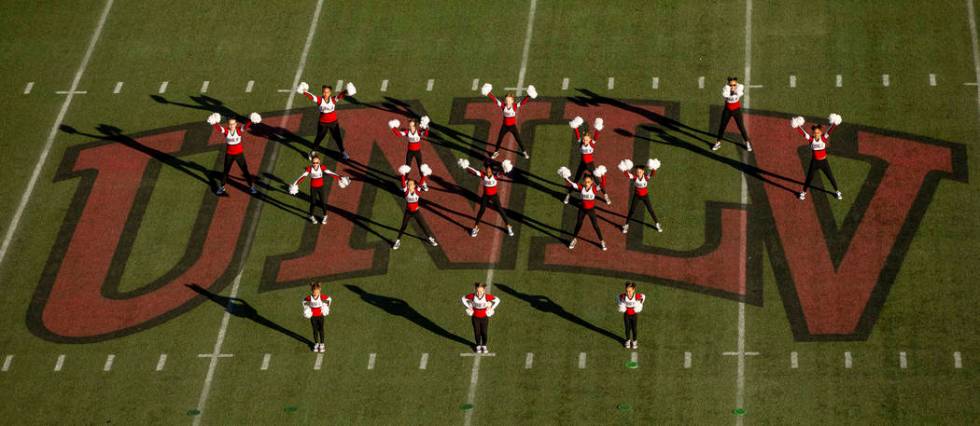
401 308
545 304
242 309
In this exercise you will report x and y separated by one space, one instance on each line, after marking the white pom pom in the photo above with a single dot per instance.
625 165
293 189
564 172
487 87
394 124
424 122
302 88
307 312
351 90
404 169
797 122
622 308
532 91
463 163
344 182
653 164
835 119
599 171
638 308
425 169
214 118
576 122
507 166
598 125
469 312
490 312
255 118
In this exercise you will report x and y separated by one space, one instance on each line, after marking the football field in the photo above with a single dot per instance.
132 294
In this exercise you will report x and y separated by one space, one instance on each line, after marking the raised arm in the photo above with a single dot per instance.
523 101
474 171
494 99
221 129
572 184
300 179
404 184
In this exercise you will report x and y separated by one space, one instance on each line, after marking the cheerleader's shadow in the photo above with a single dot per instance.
242 309
545 304
401 308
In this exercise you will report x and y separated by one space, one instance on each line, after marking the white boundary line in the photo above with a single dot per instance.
655 82
740 369
886 80
903 360
36 174
219 341
976 50
430 84
582 357
162 362
635 357
848 360
839 81
476 83
384 85
792 81
319 362
564 83
701 82
932 79
794 360
611 84
957 360
687 360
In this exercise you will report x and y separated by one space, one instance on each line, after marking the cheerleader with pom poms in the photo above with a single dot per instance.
413 135
640 180
509 108
818 144
327 106
489 179
413 194
630 304
315 171
588 189
586 145
316 306
234 151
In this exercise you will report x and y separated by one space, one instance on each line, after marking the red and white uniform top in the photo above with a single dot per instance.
733 98
414 138
640 183
412 197
588 194
326 105
316 173
630 305
319 305
489 181
510 112
818 145
233 138
480 305
586 149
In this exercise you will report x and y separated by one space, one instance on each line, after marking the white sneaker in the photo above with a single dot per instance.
316 347
628 344
717 146
398 243
310 155
510 230
634 344
802 195
526 155
567 197
433 242
324 221
495 154
474 232
345 156
313 219
840 196
425 187
603 245
626 228
571 245
221 191
485 350
748 146
608 201
659 228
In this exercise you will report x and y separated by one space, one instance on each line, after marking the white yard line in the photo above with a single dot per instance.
839 81
932 79
655 82
118 88
430 84
886 80
740 369
476 84
957 360
265 362
687 360
319 362
792 81
273 154
340 84
109 360
564 83
527 49
36 174
794 361
71 92
28 87
249 86
701 82
205 85
424 361
162 362
384 86
528 361
581 360
976 50
848 360
634 357
163 87
903 360
611 84
371 359
60 363
9 359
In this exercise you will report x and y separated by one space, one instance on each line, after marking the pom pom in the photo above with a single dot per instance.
424 122
507 166
425 169
835 119
302 88
564 172
463 163
344 182
469 312
653 164
394 124
351 90
576 122
625 165
490 312
487 87
622 308
307 312
255 118
797 122
532 91
638 308
404 169
293 189
600 171
598 125
214 118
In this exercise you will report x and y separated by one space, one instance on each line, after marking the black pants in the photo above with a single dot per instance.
240 159
822 165
495 201
726 116
417 215
505 129
317 323
318 197
334 129
417 155
630 322
646 200
582 168
595 223
480 326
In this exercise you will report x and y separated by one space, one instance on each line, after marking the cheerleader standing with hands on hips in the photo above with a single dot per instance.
509 108
640 180
414 137
327 105
480 306
413 194
318 191
818 144
630 303
316 306
732 92
488 179
586 147
588 189
234 151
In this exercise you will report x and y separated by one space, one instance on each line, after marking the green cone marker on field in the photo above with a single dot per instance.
739 411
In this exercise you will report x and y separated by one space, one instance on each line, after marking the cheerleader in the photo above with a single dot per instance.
480 306
327 105
489 180
414 137
234 152
587 143
630 304
509 108
315 307
732 93
818 144
588 189
413 194
318 196
639 179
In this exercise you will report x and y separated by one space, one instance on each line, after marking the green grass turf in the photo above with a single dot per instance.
928 313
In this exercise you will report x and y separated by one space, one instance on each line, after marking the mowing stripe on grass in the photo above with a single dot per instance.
794 360
792 81
118 88
36 174
886 80
564 83
424 361
163 87
529 361
371 358
384 86
932 79
903 361
840 81
28 87
430 84
265 362
701 82
59 363
611 84
476 83
205 85
957 360
249 86
319 362
848 361
687 360
162 362
655 83
740 369
108 362
10 359
581 359
976 51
